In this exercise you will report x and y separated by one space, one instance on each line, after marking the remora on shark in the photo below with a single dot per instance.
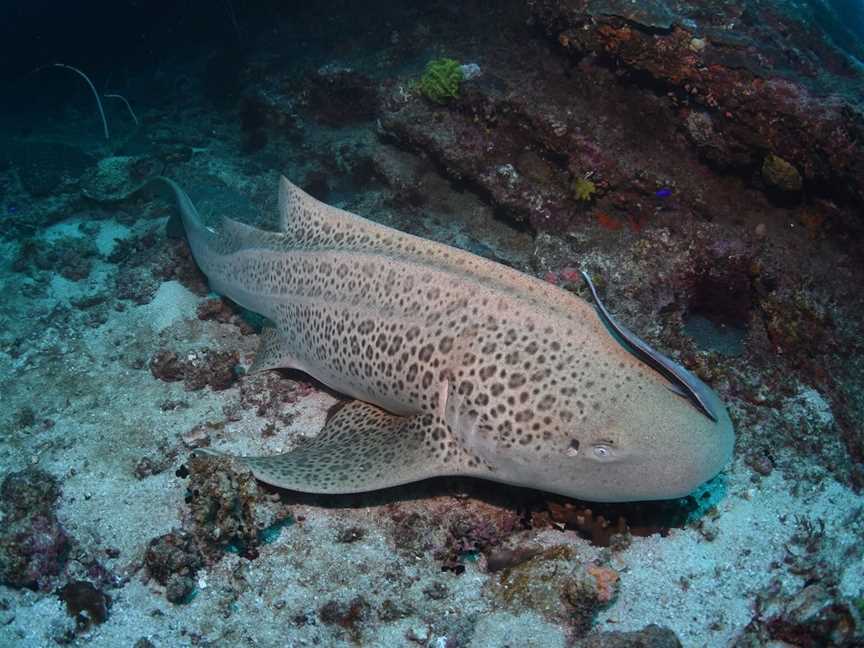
458 365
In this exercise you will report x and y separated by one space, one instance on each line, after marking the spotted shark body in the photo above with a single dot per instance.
456 365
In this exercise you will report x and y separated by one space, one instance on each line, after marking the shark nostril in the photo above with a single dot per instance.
573 448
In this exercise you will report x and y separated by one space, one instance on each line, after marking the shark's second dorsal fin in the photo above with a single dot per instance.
237 236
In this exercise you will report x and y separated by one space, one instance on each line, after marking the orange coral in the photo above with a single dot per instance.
607 582
607 222
814 222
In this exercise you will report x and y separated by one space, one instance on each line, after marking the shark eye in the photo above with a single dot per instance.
602 451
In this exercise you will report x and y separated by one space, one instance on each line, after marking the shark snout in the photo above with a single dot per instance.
684 449
710 451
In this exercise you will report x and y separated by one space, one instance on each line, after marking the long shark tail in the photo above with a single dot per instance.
213 245
193 224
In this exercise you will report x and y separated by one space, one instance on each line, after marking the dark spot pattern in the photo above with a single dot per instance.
364 447
467 348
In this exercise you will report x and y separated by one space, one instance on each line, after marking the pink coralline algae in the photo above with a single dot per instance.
33 543
197 370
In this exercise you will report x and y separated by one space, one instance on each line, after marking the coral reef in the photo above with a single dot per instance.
34 546
747 105
222 506
778 173
467 537
349 616
556 585
116 178
85 602
71 257
226 513
652 636
214 369
224 312
584 189
172 559
441 80
46 168
811 616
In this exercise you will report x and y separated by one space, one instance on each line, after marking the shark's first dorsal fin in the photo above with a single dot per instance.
304 218
308 223
294 205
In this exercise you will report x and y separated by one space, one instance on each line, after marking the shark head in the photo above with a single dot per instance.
616 421
651 444
662 448
671 434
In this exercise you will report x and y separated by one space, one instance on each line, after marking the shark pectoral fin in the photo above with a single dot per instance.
363 448
273 352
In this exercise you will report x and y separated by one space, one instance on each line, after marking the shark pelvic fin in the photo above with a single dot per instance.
272 352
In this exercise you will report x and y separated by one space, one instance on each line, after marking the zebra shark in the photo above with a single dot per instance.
455 364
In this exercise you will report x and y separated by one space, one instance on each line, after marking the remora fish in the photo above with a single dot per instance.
458 365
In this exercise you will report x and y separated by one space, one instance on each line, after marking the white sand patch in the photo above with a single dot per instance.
115 509
852 582
171 303
105 239
69 228
704 590
63 290
109 233
525 630
37 620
